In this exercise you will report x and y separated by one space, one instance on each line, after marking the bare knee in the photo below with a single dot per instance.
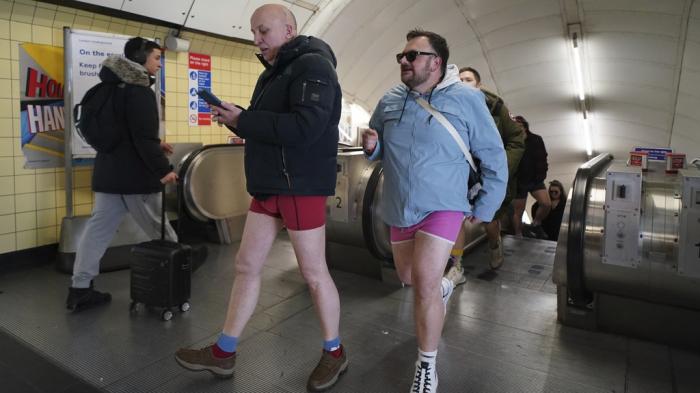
425 293
246 266
405 276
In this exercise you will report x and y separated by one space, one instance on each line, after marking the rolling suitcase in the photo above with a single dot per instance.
161 273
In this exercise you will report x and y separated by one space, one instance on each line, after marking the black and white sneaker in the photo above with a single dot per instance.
425 380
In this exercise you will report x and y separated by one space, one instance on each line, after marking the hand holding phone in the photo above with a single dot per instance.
209 97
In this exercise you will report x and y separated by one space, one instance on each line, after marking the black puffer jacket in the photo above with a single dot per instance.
291 126
533 166
137 164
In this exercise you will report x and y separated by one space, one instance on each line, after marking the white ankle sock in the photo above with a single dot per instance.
428 357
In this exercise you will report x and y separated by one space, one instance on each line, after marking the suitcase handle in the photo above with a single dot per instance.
162 213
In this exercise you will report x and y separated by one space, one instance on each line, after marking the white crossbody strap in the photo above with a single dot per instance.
446 123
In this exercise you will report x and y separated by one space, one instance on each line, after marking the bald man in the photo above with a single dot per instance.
291 133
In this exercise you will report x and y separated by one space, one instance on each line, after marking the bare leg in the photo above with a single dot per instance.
459 242
429 260
259 233
310 249
403 260
545 205
493 232
519 208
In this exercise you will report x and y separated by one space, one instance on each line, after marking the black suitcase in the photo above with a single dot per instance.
161 273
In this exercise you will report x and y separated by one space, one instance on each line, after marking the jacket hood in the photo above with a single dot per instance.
300 45
451 77
118 68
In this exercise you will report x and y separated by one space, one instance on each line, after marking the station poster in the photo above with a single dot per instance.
41 105
199 76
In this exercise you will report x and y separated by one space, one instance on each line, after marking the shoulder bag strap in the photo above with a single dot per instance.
450 128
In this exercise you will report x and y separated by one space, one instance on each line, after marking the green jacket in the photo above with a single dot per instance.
512 135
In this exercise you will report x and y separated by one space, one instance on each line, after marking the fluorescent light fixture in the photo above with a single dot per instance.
576 42
587 136
578 70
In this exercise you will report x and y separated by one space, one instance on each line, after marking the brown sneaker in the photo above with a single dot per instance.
496 256
204 359
327 372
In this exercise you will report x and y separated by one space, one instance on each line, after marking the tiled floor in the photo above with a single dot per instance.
501 334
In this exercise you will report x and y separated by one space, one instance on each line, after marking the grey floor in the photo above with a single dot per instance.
501 333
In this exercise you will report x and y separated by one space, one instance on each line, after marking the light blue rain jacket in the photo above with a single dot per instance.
424 168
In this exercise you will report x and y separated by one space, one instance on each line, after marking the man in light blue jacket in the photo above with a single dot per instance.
425 179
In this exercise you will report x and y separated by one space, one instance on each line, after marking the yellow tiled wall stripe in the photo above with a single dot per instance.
32 202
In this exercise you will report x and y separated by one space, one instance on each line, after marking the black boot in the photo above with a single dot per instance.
80 299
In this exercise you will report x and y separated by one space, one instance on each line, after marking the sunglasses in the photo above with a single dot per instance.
412 55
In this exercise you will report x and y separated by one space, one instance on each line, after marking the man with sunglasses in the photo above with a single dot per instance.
425 178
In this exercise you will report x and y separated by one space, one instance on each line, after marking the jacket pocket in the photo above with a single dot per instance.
314 91
391 114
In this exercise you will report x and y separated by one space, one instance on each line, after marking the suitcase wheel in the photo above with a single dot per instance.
167 315
184 307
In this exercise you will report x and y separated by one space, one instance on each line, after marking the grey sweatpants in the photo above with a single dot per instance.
107 215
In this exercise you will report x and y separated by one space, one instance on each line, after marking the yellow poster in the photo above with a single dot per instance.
41 104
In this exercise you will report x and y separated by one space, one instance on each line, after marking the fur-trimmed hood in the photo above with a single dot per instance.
118 68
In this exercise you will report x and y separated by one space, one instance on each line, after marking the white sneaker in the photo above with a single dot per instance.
456 275
447 289
425 379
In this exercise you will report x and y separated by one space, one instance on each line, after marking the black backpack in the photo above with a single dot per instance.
96 117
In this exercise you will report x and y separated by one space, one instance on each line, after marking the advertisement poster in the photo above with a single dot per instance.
199 78
41 105
88 51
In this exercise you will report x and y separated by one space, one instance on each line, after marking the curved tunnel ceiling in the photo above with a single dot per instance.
641 62
641 59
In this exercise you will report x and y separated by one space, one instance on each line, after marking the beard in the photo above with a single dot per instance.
417 77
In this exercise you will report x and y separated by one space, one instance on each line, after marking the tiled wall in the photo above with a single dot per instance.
32 202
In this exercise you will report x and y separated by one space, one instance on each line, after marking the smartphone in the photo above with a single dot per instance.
209 98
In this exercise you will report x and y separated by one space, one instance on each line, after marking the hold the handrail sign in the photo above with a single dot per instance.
199 77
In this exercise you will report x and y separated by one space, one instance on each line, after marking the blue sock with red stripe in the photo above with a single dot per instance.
225 346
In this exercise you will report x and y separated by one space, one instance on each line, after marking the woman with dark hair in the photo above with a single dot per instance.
552 222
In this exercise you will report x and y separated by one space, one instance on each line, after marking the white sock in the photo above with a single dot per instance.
428 357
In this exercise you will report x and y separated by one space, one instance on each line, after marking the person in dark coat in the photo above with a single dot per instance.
514 142
532 171
552 223
291 143
129 178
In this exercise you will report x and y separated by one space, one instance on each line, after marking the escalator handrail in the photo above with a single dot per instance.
185 164
367 211
578 295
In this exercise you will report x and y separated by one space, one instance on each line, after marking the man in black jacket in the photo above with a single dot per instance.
129 178
291 134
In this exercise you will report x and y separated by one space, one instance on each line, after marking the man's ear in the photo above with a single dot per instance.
438 63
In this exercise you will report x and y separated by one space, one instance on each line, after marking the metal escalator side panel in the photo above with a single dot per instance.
213 183
374 230
578 294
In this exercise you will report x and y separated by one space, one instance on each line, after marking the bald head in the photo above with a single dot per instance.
276 12
273 25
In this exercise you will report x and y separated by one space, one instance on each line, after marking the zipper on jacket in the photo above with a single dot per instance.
303 91
284 169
